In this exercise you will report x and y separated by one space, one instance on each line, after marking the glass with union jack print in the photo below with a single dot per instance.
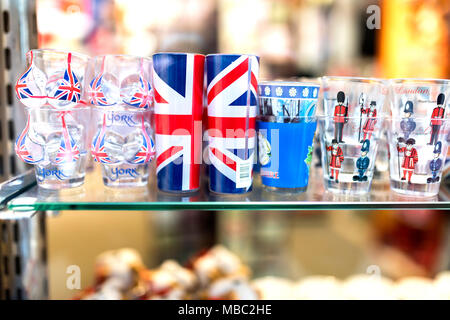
232 90
119 89
55 136
178 90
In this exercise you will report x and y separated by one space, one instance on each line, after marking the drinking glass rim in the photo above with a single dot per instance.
60 52
80 106
288 83
233 54
120 55
354 79
178 53
419 80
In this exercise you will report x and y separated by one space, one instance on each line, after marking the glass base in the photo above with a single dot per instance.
63 176
348 187
415 189
125 175
124 184
230 194
61 184
175 192
285 190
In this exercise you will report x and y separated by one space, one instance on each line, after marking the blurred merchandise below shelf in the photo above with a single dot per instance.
218 274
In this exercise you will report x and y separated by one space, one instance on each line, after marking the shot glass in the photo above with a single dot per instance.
178 81
119 89
418 135
350 127
286 126
55 137
232 85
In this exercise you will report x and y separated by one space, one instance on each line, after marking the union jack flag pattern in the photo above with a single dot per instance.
96 94
30 87
147 151
141 96
178 93
232 99
21 150
98 146
68 150
68 88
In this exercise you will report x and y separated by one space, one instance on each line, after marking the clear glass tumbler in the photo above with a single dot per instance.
417 135
350 127
55 137
119 89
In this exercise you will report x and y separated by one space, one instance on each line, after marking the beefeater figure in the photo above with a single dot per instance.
436 119
371 120
337 157
410 158
340 115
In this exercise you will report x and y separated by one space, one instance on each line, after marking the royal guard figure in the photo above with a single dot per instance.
408 125
337 157
436 118
436 163
363 162
371 120
410 158
340 116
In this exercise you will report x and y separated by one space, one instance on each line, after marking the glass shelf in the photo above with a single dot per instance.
94 196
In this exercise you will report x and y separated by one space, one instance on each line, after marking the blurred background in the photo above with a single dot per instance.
395 38
294 38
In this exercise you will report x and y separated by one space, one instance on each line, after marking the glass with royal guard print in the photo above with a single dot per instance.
118 87
417 135
286 125
350 125
55 137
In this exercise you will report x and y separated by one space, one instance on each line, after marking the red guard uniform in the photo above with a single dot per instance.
409 161
436 116
370 123
339 121
339 113
436 123
337 157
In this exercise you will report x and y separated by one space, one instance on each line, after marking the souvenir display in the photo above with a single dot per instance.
58 88
55 137
232 84
178 85
286 126
118 87
418 134
350 127
218 274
